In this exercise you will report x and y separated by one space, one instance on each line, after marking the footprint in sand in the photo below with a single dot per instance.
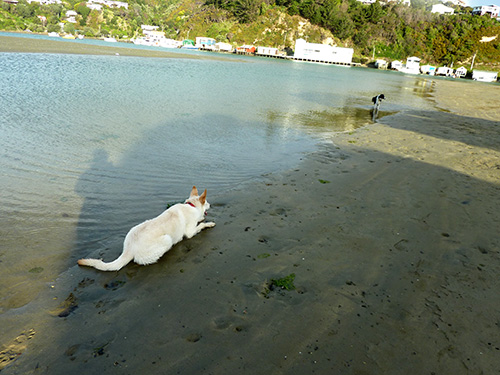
13 351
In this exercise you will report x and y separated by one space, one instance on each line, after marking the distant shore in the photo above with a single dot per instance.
58 45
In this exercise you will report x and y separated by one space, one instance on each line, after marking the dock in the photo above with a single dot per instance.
323 61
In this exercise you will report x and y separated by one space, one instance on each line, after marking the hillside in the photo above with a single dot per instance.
391 31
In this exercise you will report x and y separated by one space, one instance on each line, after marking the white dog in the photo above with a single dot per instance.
147 242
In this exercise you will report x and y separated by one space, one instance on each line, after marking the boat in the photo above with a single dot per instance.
69 36
53 34
110 39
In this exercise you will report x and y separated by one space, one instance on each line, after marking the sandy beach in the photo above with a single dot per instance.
388 234
28 45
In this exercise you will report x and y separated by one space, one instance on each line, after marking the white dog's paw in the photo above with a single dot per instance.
210 224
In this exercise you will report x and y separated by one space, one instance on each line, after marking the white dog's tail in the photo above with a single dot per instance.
115 265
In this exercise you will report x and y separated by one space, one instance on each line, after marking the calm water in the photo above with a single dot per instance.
91 145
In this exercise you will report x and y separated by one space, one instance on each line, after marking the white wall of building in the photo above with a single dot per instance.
322 52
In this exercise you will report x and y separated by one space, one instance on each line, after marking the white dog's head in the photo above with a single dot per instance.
200 201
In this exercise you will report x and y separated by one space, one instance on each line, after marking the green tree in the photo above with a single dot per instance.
246 10
82 9
69 28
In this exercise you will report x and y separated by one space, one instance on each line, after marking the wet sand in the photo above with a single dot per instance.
391 232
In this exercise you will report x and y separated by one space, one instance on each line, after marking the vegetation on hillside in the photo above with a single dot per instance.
392 31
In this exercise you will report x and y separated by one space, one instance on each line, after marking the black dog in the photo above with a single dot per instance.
375 99
376 105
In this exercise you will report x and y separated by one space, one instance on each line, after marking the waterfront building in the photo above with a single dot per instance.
315 52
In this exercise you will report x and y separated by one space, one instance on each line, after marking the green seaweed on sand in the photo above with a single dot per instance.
280 285
284 283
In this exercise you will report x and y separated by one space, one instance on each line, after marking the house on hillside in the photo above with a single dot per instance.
93 6
403 2
45 2
71 16
314 52
492 10
442 9
109 3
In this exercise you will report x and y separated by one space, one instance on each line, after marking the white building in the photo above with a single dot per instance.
268 51
109 3
492 10
462 3
461 72
444 71
381 64
315 52
146 28
404 2
45 2
428 69
93 6
223 47
484 76
442 9
396 65
204 42
71 16
412 65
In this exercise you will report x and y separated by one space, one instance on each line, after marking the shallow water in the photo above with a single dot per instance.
92 145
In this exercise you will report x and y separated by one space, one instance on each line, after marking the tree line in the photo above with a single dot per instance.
390 30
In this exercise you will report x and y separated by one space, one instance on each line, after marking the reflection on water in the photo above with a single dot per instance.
424 87
336 120
329 120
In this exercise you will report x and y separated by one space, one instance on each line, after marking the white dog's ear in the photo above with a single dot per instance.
203 197
194 192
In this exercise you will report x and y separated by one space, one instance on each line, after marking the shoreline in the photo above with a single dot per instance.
390 231
32 45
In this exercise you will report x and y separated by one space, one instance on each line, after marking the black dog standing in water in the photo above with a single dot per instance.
376 105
